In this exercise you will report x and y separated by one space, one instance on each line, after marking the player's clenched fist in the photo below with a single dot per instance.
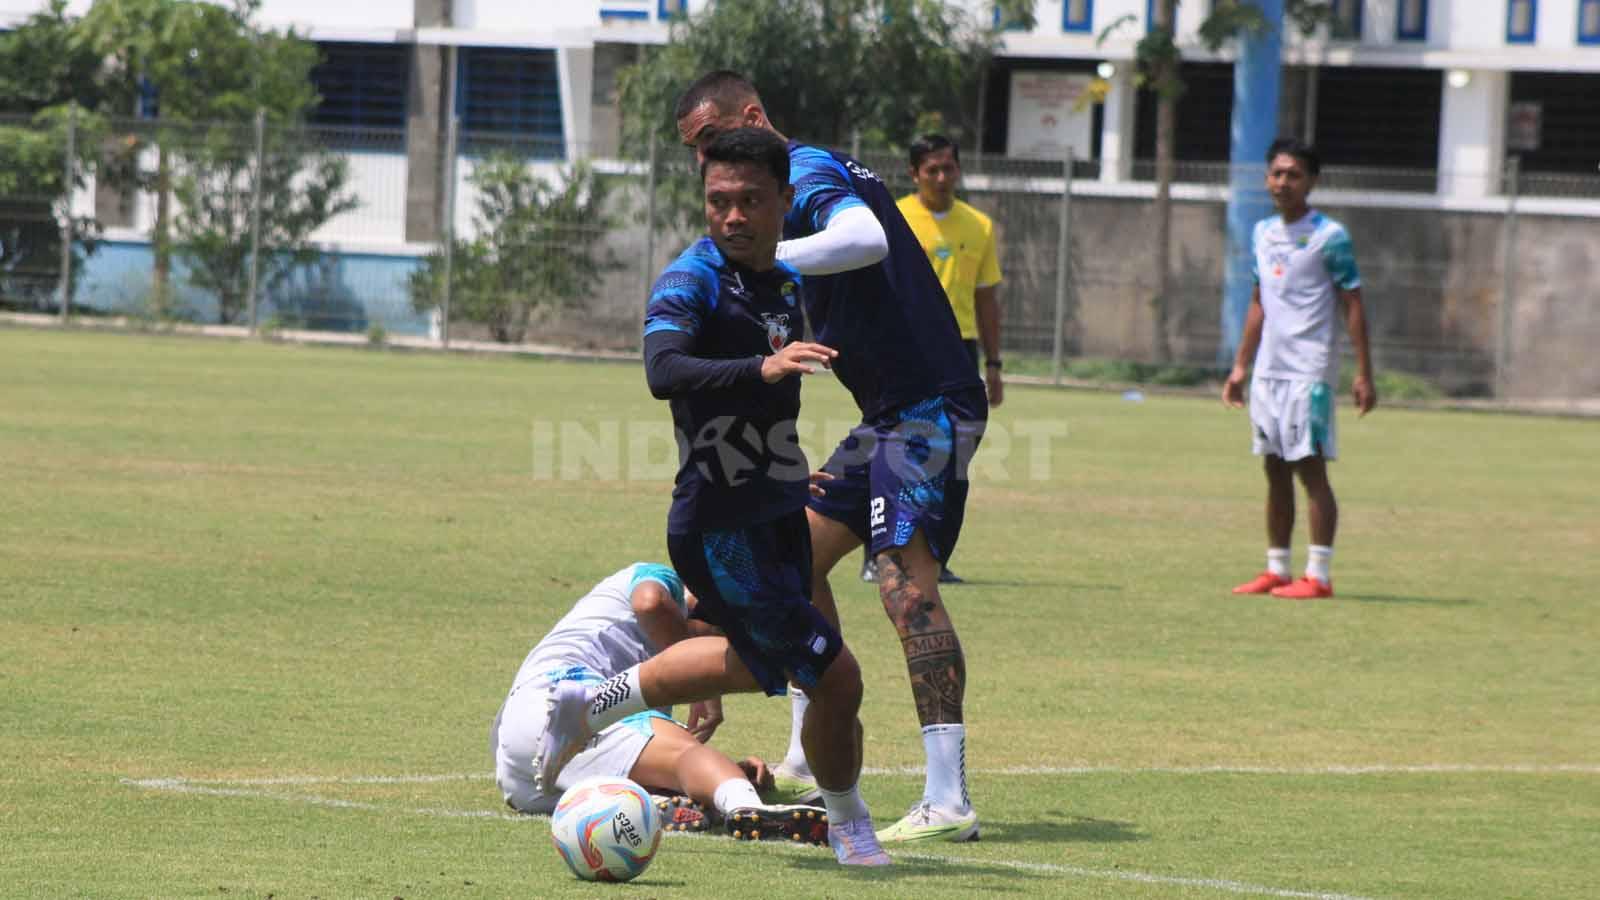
798 358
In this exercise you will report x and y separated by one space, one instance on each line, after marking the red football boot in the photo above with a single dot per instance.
1265 583
1305 588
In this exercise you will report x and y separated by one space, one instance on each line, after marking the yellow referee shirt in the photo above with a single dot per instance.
960 245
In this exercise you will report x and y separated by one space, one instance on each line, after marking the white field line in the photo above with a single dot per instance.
186 786
1377 769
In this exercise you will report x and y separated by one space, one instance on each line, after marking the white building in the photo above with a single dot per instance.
1415 85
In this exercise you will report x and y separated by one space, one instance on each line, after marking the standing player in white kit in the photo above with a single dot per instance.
1306 280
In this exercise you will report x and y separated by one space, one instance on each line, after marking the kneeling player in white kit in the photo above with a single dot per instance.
1306 280
622 621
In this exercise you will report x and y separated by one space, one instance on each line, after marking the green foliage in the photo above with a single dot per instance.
1230 19
1157 56
536 247
41 71
206 62
211 68
808 57
301 188
1394 385
926 61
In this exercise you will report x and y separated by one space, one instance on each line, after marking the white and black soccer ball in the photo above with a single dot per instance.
606 829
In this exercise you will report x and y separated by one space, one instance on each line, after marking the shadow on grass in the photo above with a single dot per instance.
1400 598
1065 830
1063 585
923 863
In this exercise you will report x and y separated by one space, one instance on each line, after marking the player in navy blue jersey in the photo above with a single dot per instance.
722 344
900 481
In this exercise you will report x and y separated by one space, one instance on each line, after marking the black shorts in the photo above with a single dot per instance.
754 583
906 471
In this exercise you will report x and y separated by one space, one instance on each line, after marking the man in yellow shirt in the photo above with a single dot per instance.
959 242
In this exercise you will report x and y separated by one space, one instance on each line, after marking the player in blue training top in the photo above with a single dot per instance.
721 342
900 482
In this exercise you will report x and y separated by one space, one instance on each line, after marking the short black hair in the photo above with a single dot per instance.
749 145
932 143
1298 149
723 87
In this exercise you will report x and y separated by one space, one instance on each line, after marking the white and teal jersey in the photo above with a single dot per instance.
1300 266
600 633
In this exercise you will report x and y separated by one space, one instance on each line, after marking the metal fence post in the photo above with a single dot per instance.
1063 266
253 280
650 214
70 172
451 136
1508 274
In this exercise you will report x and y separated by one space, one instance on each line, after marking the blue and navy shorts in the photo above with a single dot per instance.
754 583
906 471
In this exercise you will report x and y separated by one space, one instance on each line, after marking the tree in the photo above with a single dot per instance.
207 69
535 247
301 188
1158 63
41 72
831 68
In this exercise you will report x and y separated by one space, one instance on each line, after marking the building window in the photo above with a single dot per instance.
1002 23
1589 21
512 92
362 85
1077 15
1413 20
1347 20
667 10
1521 19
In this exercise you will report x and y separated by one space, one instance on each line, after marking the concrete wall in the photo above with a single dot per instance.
1433 283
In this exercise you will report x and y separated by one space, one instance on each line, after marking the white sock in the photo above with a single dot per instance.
733 794
946 749
794 762
845 806
617 698
1319 563
1278 561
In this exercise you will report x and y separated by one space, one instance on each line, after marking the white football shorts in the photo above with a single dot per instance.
1292 420
519 726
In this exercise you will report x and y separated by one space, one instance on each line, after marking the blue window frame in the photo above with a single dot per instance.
1411 20
362 85
1589 22
667 10
511 92
624 15
1522 21
1149 16
1004 26
1077 15
1347 19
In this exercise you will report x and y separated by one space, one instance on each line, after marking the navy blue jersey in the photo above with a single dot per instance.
897 337
709 324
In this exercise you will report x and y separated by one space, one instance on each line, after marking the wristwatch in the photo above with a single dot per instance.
994 362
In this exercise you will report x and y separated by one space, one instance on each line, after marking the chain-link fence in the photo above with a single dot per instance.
1481 283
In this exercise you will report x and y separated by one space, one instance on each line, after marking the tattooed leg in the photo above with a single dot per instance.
908 585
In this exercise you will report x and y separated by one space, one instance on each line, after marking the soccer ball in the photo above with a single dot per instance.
606 829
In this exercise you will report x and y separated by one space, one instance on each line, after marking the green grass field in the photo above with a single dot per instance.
260 603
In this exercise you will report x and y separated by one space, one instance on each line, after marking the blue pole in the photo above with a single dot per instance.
1256 76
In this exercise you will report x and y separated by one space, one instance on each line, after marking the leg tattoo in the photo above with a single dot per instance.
934 660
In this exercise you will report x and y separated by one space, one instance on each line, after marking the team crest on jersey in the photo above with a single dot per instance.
942 251
777 329
787 289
